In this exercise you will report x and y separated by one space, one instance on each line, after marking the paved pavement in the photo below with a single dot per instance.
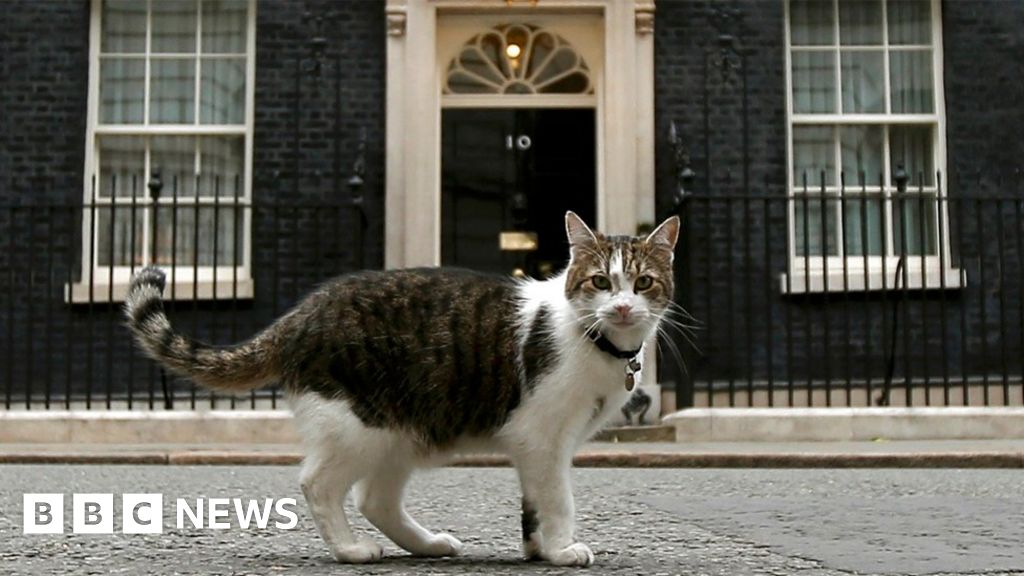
652 522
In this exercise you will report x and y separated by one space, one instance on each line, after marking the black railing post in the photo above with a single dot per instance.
982 344
681 206
900 178
156 186
357 202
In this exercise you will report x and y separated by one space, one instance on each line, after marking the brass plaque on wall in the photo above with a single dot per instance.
517 241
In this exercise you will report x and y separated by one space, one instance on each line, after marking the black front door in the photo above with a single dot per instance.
514 171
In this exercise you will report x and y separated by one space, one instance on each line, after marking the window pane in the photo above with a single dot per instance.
565 59
462 83
913 219
117 235
575 83
474 61
121 159
174 26
214 222
810 231
492 46
860 22
862 155
175 157
224 26
862 225
124 26
222 99
543 44
911 147
863 83
222 166
811 22
172 91
910 21
813 152
122 90
911 81
814 82
175 235
229 224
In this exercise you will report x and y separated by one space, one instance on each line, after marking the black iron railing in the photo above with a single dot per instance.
845 297
233 266
851 297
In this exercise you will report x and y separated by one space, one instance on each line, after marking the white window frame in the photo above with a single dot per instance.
824 273
109 283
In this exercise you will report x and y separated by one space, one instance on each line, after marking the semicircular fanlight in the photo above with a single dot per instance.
518 59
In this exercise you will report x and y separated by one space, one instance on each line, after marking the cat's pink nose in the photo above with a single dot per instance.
624 310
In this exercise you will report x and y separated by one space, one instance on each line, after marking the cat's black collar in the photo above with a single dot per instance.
606 346
630 356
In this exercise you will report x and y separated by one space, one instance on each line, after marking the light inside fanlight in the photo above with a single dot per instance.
513 51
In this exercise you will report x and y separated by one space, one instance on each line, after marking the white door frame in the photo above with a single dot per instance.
625 110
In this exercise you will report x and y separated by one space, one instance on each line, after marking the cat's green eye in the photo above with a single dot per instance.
643 283
601 282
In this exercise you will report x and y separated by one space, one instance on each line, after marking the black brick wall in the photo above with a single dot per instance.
733 251
984 75
688 80
984 91
306 139
44 51
306 143
307 129
44 68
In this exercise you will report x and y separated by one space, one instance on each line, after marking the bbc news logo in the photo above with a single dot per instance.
144 513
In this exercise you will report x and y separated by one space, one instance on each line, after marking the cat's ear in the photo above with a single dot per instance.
666 234
577 231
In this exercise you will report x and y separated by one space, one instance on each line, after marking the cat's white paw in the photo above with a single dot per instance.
361 552
442 545
577 554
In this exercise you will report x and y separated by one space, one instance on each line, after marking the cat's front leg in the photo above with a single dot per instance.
379 498
549 511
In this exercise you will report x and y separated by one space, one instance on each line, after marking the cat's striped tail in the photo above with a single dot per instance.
230 368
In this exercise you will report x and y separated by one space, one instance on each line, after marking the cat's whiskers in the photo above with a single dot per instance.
681 321
687 331
583 339
677 308
673 348
589 315
667 315
684 330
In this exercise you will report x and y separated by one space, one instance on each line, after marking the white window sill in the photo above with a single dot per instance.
855 280
102 293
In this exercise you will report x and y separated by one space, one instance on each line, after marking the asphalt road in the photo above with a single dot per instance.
651 522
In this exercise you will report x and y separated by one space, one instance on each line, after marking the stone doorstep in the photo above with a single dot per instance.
693 425
845 424
143 427
200 427
637 434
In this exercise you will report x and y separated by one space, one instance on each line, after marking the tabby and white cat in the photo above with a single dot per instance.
388 371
